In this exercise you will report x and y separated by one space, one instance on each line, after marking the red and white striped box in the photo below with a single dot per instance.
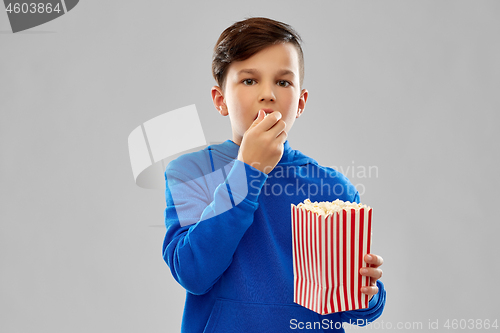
328 253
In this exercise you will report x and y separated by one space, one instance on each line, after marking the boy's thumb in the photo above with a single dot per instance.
260 116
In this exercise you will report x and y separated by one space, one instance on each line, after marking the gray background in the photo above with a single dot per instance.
409 88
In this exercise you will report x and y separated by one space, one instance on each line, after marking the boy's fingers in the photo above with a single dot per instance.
278 127
258 120
282 137
260 116
375 273
369 290
273 119
374 260
277 114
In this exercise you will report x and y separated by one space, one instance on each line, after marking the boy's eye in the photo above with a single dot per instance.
248 82
283 83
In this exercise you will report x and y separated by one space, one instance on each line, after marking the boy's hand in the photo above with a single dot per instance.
373 271
262 144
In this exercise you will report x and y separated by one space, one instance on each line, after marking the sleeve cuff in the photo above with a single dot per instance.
245 181
375 306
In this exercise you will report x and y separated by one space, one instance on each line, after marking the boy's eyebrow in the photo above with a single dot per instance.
254 71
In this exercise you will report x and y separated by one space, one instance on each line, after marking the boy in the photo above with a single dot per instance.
228 239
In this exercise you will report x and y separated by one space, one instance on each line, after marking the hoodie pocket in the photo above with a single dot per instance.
230 316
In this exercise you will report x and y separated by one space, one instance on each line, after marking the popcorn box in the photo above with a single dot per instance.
328 252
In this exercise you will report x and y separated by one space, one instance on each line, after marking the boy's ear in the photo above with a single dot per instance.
302 102
218 99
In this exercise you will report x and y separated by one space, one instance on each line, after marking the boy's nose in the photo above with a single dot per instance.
267 93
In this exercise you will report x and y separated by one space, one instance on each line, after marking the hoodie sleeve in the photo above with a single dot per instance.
363 317
206 217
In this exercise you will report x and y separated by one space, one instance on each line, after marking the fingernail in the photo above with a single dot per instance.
368 257
364 290
364 271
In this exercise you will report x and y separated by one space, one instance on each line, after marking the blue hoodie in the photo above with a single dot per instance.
228 241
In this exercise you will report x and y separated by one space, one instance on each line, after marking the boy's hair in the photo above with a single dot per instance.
245 38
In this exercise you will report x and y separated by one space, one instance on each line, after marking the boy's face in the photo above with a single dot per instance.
267 80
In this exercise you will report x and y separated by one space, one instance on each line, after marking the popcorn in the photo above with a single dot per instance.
329 242
327 207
